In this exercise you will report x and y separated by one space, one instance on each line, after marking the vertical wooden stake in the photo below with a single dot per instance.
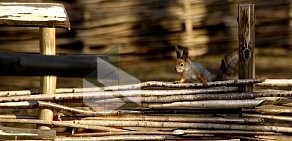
48 83
246 36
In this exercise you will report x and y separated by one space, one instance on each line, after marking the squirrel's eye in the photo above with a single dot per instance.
181 64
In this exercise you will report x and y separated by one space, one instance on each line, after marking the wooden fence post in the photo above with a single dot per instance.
47 16
246 36
48 83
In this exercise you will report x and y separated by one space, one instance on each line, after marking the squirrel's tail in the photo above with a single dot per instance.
229 66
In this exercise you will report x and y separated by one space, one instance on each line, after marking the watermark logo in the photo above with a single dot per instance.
106 75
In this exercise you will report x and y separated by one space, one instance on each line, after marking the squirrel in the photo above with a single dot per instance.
195 71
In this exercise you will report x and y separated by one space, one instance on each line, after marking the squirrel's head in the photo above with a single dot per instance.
182 58
180 65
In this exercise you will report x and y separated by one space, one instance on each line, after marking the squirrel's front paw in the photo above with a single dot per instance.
205 84
182 80
176 82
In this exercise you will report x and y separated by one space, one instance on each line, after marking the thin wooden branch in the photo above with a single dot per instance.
274 117
174 95
276 83
118 137
178 132
272 109
60 123
277 101
117 94
169 118
58 91
275 137
84 112
139 86
18 133
186 125
128 117
124 133
273 94
17 93
23 104
10 116
228 132
176 98
183 85
185 96
247 138
61 107
222 104
60 97
215 104
73 103
33 104
98 89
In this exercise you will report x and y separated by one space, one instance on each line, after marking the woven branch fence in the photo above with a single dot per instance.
178 112
154 110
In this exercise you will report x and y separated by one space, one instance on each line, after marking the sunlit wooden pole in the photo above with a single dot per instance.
246 36
48 83
188 40
290 25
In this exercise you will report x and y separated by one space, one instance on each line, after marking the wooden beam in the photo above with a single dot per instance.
33 15
246 35
25 64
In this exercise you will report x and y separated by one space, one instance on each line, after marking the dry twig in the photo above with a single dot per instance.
60 123
186 125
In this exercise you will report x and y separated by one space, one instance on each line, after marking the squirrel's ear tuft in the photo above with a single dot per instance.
185 55
179 52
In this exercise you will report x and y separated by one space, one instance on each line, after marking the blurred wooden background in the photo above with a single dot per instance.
152 26
148 29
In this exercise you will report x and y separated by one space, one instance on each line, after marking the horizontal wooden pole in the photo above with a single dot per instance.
59 123
20 133
23 64
276 83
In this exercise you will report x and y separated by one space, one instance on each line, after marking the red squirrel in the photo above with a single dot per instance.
195 71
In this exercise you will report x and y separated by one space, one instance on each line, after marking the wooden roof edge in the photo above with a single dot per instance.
34 14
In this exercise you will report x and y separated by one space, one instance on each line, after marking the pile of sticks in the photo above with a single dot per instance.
155 111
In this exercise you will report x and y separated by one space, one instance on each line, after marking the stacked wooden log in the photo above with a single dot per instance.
152 26
144 111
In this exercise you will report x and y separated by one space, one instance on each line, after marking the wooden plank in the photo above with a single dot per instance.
246 35
34 14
